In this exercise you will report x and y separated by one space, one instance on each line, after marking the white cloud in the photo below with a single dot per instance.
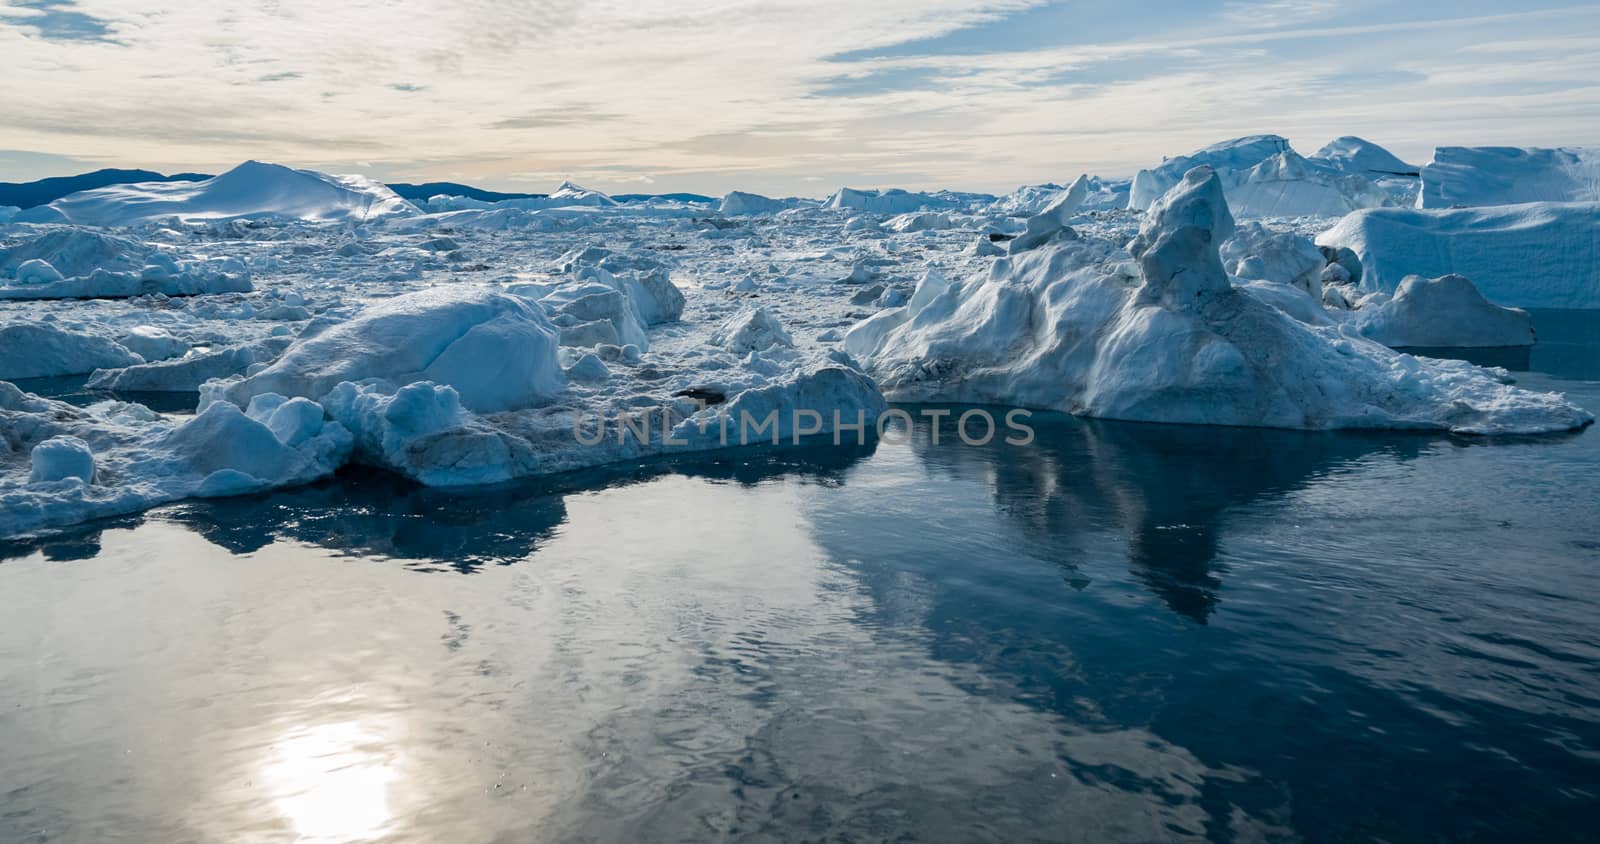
712 95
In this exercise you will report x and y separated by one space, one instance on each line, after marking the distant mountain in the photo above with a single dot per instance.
45 191
420 193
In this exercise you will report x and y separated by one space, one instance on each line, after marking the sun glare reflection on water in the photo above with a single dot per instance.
332 781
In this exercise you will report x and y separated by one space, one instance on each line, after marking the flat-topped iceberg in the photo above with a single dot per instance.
1158 333
896 201
1476 176
1534 255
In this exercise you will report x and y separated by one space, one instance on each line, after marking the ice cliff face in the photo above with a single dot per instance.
1478 176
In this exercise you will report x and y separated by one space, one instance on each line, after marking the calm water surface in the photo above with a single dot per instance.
1118 633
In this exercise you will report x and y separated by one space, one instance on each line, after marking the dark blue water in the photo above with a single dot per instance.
1118 633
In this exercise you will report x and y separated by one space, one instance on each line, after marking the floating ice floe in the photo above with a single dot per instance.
1476 176
187 373
1076 326
61 464
1534 255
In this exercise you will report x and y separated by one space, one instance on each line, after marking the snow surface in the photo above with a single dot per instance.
1534 255
252 189
495 341
1476 176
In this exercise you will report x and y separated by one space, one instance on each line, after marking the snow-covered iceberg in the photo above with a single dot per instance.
1358 156
896 201
1027 200
40 350
252 189
1476 176
76 263
569 195
1165 337
1263 176
1257 253
497 351
1288 185
1444 312
741 204
1534 255
1228 158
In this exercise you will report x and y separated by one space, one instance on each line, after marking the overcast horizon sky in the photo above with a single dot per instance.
783 97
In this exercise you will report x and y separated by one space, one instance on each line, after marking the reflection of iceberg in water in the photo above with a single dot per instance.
368 513
1169 487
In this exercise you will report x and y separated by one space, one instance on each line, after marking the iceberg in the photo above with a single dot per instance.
1027 200
60 464
1257 253
1229 157
1477 176
78 263
1361 157
751 330
252 189
741 204
1444 312
1077 326
1534 255
39 350
1263 176
497 351
188 373
896 201
1289 185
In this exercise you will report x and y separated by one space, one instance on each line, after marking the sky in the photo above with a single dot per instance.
782 97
